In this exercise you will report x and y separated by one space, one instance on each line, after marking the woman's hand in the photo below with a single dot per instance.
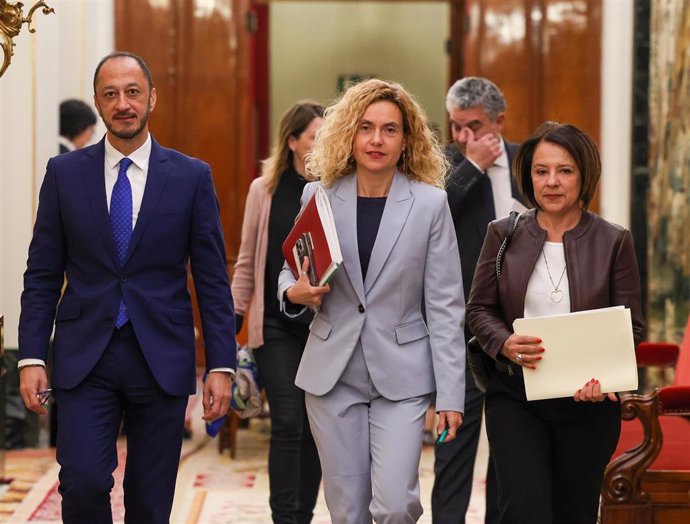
451 420
591 392
302 292
524 350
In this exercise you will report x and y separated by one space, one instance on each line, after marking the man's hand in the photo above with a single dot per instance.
451 420
484 151
217 390
33 379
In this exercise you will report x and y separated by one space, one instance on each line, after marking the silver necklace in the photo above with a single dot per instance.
556 294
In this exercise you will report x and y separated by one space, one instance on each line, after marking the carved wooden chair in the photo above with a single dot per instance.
648 481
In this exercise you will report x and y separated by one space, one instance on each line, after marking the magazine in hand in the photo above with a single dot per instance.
314 236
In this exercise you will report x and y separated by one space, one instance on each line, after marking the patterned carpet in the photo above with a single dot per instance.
211 487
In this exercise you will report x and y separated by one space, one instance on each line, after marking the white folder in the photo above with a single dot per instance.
580 346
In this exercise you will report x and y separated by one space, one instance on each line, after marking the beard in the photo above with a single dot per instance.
128 132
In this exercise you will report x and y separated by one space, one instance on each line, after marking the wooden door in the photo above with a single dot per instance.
545 55
199 55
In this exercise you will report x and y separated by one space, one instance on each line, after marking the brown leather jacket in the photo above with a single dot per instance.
602 272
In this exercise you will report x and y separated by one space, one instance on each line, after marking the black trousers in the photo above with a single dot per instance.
294 469
549 455
454 466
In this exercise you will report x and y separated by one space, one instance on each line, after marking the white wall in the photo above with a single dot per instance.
314 42
55 63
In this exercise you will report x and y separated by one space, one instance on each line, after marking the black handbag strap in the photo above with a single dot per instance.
512 224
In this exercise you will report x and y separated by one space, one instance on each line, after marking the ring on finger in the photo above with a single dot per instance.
519 357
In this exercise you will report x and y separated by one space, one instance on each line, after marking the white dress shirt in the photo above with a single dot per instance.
137 173
499 175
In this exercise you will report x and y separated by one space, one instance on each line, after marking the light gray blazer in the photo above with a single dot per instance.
414 266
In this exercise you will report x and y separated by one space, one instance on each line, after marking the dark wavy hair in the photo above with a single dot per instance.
581 147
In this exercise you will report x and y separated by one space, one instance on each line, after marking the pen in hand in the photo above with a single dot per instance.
43 396
442 436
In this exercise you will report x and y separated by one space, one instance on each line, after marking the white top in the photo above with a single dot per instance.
541 297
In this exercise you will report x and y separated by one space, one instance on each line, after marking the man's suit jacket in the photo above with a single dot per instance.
414 265
471 202
178 223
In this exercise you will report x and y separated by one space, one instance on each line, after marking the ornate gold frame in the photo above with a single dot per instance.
11 20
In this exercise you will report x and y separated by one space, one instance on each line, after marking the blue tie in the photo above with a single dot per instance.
121 222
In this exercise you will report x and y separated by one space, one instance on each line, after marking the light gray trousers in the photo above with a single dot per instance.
369 449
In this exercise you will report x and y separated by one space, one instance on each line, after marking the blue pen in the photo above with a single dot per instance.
442 436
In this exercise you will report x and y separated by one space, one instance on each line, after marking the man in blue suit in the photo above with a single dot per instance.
118 223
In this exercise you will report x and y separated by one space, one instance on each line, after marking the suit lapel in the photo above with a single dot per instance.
94 181
344 206
155 183
398 205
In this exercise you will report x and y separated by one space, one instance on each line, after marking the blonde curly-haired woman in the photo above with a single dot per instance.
389 331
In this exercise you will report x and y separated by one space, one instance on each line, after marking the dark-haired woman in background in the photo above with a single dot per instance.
550 455
272 205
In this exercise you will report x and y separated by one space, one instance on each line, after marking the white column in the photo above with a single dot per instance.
616 110
16 176
55 63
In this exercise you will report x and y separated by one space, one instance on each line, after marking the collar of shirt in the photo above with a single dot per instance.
62 141
140 157
499 175
502 160
137 173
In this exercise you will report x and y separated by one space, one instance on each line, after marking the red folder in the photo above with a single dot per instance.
314 225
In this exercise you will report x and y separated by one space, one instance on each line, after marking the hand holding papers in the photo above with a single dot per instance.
314 236
581 346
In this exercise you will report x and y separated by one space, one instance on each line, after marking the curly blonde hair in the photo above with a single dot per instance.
332 155
293 123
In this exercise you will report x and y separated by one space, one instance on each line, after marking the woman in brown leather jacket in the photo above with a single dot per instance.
550 455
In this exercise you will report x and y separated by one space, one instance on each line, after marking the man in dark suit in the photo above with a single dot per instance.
120 221
77 124
480 189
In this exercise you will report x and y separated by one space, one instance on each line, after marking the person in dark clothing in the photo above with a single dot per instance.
77 125
480 189
272 205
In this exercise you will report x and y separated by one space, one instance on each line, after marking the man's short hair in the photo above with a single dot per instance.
124 54
473 91
75 117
